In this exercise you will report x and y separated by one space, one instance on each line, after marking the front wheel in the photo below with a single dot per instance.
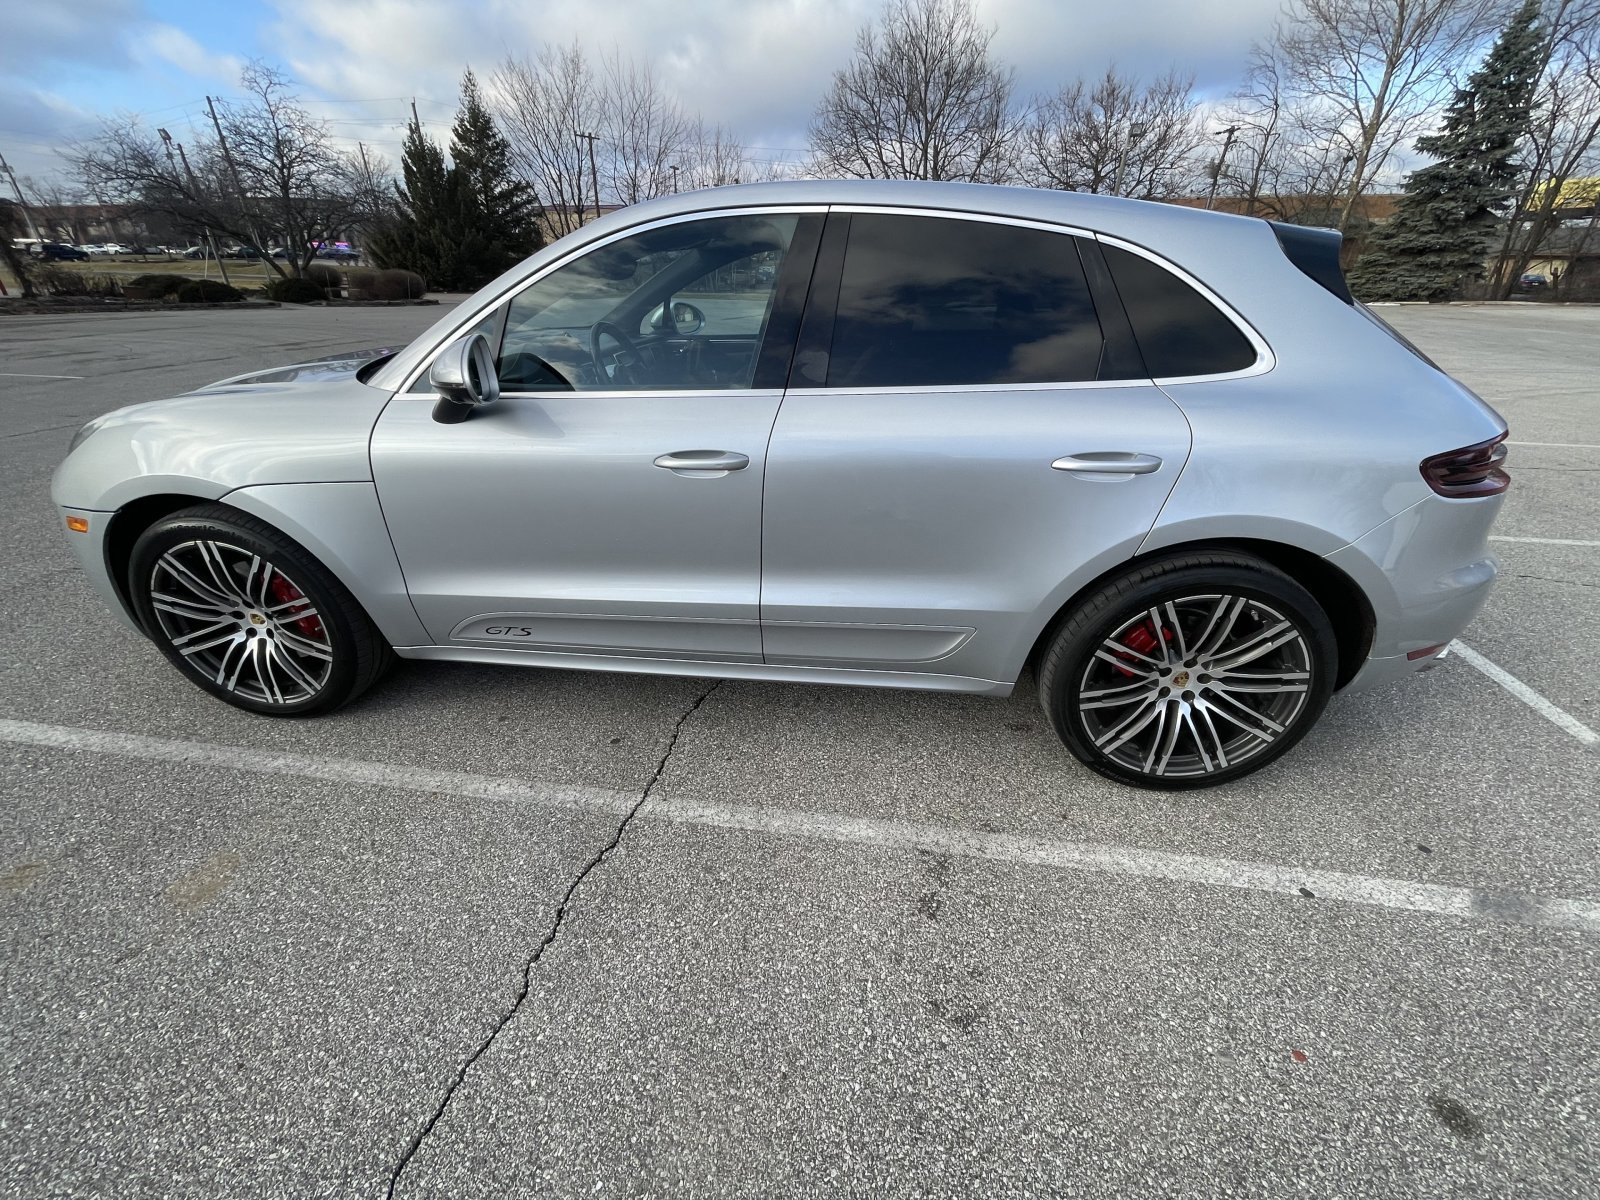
1189 672
250 616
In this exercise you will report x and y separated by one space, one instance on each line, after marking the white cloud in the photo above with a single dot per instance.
757 66
166 44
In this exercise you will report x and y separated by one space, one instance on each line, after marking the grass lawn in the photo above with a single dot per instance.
241 272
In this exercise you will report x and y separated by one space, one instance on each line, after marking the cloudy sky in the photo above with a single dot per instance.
756 66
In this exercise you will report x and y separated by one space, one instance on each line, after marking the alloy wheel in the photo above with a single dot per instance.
1195 686
241 622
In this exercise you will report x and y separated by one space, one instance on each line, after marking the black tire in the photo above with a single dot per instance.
315 659
1095 686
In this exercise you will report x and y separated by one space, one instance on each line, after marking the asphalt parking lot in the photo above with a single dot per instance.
850 943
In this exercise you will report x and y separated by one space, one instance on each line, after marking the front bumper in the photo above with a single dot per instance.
90 550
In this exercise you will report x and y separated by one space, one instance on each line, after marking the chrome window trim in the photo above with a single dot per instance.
1265 359
616 394
477 314
936 389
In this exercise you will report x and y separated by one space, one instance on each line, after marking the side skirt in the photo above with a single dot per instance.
916 680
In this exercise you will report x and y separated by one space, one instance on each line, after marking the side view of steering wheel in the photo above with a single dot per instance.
623 360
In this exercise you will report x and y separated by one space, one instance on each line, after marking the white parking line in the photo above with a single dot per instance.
1560 445
24 375
1302 884
1527 695
1496 537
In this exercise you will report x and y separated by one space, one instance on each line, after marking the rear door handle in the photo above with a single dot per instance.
1107 462
703 460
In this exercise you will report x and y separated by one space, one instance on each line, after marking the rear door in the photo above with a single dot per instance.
964 432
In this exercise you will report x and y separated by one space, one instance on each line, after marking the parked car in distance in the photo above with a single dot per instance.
1532 281
60 252
1154 460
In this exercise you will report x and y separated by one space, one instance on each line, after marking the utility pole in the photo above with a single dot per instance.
674 179
21 203
1135 132
594 173
238 188
1222 160
194 190
577 140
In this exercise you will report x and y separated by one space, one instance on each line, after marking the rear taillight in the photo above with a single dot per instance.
1469 472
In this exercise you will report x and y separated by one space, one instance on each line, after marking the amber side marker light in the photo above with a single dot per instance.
78 524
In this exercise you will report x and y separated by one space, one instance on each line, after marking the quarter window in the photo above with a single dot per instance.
1179 331
931 301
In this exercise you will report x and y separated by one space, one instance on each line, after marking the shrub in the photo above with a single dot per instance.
207 291
64 281
158 287
395 284
295 291
360 283
324 276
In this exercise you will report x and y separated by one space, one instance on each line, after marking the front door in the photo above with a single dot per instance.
610 501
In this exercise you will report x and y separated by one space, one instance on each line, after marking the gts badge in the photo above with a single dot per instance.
507 631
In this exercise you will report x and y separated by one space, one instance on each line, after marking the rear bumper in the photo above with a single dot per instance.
1426 572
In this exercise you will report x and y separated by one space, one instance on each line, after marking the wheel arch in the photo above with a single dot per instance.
338 524
1346 605
123 530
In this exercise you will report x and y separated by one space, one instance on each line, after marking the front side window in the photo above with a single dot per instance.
681 307
932 301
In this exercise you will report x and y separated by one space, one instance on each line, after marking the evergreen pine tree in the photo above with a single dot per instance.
420 234
1436 240
502 210
459 225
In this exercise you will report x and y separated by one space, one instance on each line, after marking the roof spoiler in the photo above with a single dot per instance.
1316 253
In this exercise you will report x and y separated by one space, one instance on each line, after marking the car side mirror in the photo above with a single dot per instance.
464 377
685 318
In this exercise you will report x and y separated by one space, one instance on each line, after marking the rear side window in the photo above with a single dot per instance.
1179 331
931 301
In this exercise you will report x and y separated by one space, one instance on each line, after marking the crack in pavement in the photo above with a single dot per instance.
549 938
1551 579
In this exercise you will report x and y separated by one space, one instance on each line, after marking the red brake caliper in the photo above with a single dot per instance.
1142 640
285 592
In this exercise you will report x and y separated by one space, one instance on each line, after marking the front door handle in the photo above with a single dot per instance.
1107 462
703 460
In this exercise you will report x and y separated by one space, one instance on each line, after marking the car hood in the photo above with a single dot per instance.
331 368
308 423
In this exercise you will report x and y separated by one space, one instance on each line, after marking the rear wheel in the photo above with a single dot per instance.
250 616
1189 672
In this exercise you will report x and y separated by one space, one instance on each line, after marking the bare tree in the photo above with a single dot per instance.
53 200
1283 164
1564 142
1116 137
1369 72
14 224
293 179
921 99
644 131
541 104
293 183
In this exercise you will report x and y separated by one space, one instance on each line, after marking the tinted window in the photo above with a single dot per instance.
1179 331
682 307
930 301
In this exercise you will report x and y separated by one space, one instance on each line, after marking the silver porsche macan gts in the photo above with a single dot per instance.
886 434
